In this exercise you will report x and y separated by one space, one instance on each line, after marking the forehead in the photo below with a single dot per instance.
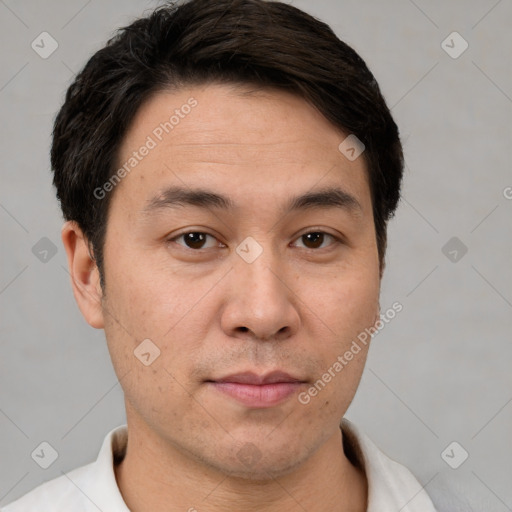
233 137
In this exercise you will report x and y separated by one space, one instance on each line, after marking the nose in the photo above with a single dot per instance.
261 301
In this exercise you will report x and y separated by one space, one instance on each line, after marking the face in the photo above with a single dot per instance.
242 245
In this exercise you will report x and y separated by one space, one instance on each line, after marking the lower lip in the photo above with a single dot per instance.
258 396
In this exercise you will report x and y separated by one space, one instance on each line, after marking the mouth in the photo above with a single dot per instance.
256 390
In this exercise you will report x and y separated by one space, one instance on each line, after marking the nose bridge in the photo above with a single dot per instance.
260 300
258 267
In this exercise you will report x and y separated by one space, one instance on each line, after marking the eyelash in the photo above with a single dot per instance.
335 240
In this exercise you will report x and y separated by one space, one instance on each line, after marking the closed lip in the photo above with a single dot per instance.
255 379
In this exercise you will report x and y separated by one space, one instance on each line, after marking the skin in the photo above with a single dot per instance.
296 308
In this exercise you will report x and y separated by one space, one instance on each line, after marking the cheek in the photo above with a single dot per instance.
151 356
345 308
337 380
149 299
151 318
347 303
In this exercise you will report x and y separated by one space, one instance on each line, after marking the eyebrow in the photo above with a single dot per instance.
330 197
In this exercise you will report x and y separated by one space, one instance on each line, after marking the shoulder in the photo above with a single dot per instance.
62 493
462 491
86 489
391 486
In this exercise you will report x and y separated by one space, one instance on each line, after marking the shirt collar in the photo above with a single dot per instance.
102 489
390 485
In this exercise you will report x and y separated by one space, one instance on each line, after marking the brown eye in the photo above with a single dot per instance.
316 239
313 240
195 240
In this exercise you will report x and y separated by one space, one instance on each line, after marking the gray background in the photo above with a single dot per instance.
440 372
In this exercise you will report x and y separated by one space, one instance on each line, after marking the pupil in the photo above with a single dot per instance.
195 240
314 239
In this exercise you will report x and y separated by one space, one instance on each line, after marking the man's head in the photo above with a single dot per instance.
241 249
252 42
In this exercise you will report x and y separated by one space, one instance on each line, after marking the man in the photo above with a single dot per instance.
226 171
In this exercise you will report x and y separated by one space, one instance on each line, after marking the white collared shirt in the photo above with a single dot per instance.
391 487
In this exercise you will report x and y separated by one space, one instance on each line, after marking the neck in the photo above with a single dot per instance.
156 477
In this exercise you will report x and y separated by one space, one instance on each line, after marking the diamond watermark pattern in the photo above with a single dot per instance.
44 45
146 352
454 249
44 250
454 45
352 148
249 250
454 455
45 455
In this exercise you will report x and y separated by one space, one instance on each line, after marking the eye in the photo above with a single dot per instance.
195 240
317 240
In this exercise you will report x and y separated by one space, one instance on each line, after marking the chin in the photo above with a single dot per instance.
262 472
251 463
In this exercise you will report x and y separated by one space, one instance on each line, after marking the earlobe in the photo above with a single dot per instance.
85 277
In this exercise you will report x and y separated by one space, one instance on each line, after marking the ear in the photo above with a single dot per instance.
85 276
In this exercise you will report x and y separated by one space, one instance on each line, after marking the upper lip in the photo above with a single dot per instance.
259 380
